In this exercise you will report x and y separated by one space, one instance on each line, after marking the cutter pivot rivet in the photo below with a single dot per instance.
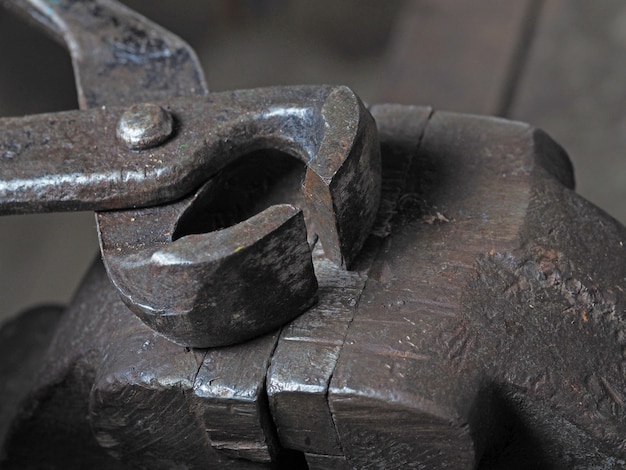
144 125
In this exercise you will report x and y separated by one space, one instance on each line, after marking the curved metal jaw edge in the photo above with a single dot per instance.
218 288
226 286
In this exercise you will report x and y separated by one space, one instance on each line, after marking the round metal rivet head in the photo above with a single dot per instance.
144 125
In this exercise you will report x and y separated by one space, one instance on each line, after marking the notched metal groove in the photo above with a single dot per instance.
376 237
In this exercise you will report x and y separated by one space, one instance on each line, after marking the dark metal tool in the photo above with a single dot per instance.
202 290
482 325
80 160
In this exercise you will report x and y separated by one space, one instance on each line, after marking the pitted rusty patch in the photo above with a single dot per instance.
554 334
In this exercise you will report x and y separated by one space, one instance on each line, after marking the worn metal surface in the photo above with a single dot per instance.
306 356
119 57
144 125
481 326
208 289
195 293
211 289
72 160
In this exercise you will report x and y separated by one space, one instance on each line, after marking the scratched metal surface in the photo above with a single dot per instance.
351 408
42 260
442 350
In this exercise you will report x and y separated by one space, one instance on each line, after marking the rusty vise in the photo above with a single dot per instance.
290 279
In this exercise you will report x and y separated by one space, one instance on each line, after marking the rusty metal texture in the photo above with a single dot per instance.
143 126
72 160
481 328
119 57
211 289
481 325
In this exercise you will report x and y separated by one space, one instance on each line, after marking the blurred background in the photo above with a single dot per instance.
558 64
